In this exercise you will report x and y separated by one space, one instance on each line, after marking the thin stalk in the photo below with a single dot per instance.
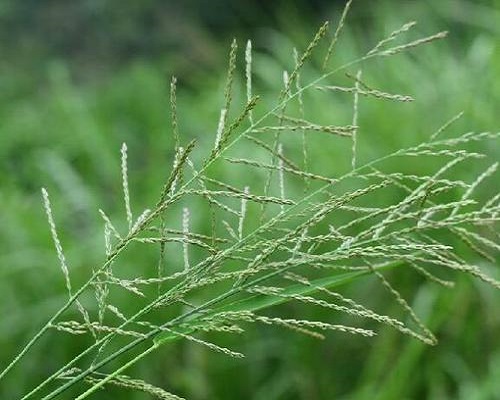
118 371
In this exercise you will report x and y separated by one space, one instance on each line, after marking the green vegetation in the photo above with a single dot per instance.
354 203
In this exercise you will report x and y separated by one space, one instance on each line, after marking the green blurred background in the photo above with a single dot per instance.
79 78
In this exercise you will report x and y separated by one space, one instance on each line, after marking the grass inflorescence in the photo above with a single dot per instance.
307 244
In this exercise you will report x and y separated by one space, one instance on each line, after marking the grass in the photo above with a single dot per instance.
232 249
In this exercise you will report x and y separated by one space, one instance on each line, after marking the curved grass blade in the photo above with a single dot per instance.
259 301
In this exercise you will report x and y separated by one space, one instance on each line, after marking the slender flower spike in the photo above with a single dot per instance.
126 196
248 75
185 231
55 238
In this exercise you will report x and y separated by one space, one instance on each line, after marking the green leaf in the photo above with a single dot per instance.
259 301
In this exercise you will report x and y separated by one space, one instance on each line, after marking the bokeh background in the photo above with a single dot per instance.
79 78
